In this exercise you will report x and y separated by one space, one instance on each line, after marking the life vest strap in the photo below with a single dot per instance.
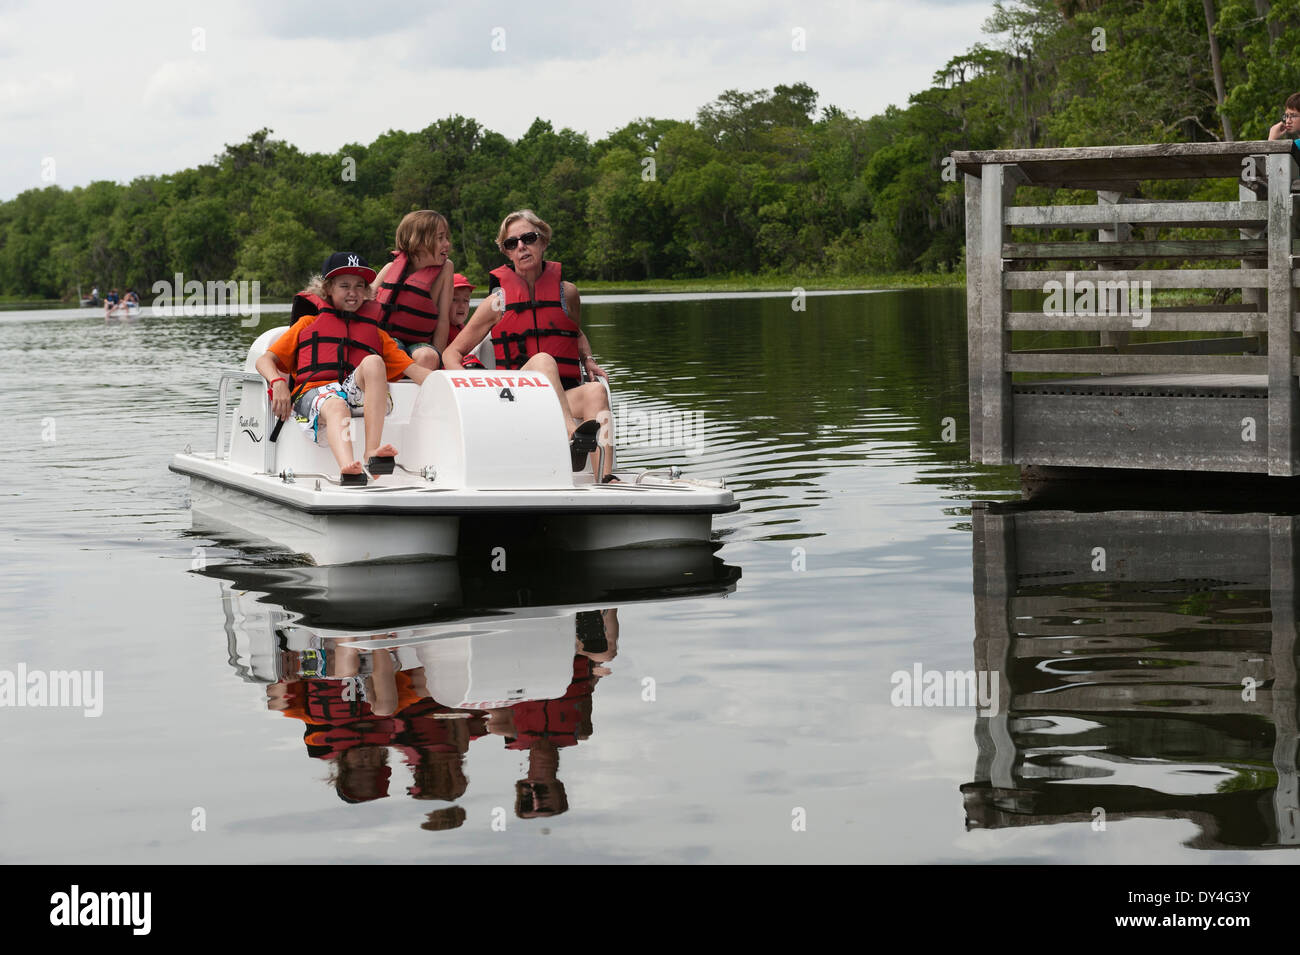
532 306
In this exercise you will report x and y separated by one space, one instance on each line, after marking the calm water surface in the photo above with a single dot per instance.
715 705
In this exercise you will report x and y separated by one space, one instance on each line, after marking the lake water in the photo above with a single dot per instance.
730 704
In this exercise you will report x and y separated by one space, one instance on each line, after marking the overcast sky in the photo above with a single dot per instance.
92 90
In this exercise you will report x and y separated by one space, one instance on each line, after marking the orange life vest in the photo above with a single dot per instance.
410 315
535 323
356 334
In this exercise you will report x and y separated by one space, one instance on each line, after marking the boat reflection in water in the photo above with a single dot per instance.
1146 668
416 661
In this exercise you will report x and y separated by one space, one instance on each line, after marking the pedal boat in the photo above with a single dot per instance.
470 444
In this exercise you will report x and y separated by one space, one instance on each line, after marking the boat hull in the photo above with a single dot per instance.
326 538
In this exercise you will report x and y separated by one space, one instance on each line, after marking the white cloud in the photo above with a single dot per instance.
179 88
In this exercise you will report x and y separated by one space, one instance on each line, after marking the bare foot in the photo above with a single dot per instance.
383 451
353 468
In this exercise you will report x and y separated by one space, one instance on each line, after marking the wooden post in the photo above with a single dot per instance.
1282 394
997 190
1122 232
974 236
1253 296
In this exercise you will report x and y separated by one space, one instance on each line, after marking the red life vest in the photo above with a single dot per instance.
410 315
318 357
535 323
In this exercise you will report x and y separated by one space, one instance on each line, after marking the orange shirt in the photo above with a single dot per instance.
396 361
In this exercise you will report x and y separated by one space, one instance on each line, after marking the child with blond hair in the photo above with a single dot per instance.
414 290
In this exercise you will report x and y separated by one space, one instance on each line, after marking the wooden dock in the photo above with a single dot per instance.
1227 403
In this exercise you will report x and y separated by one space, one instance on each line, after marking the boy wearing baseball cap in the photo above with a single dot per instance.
335 357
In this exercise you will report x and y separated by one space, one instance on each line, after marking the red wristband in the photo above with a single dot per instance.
270 388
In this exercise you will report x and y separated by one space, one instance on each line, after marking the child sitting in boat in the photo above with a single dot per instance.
414 290
461 288
339 356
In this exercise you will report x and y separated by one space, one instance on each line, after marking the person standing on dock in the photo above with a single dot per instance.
1288 127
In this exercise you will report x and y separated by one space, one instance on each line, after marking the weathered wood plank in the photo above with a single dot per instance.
1192 249
1189 346
1181 321
1102 163
1224 215
1175 384
1283 397
974 325
1188 434
1138 364
1159 278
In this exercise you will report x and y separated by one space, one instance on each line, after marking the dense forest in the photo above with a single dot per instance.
762 181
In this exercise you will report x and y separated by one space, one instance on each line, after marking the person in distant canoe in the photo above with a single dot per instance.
1288 127
414 290
336 358
533 317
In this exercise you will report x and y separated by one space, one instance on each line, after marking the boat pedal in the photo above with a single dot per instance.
352 480
381 465
583 443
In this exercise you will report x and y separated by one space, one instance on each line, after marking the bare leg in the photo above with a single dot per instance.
336 419
544 364
372 378
592 401
427 358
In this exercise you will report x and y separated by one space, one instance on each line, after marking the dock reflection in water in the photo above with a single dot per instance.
1146 668
414 662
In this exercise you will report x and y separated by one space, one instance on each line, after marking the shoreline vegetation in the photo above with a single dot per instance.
763 189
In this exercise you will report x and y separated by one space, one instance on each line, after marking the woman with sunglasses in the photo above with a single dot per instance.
533 317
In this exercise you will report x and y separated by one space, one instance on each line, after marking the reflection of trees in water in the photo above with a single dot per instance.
1122 679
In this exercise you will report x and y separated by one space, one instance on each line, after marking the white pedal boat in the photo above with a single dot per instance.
470 444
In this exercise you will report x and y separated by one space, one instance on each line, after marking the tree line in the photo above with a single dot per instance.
761 181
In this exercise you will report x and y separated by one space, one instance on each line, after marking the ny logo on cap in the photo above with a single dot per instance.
354 260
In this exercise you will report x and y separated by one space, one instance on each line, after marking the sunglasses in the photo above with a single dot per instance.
512 243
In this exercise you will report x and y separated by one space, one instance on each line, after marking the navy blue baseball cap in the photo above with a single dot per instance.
347 263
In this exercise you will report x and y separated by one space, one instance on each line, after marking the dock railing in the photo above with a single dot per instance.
1253 364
